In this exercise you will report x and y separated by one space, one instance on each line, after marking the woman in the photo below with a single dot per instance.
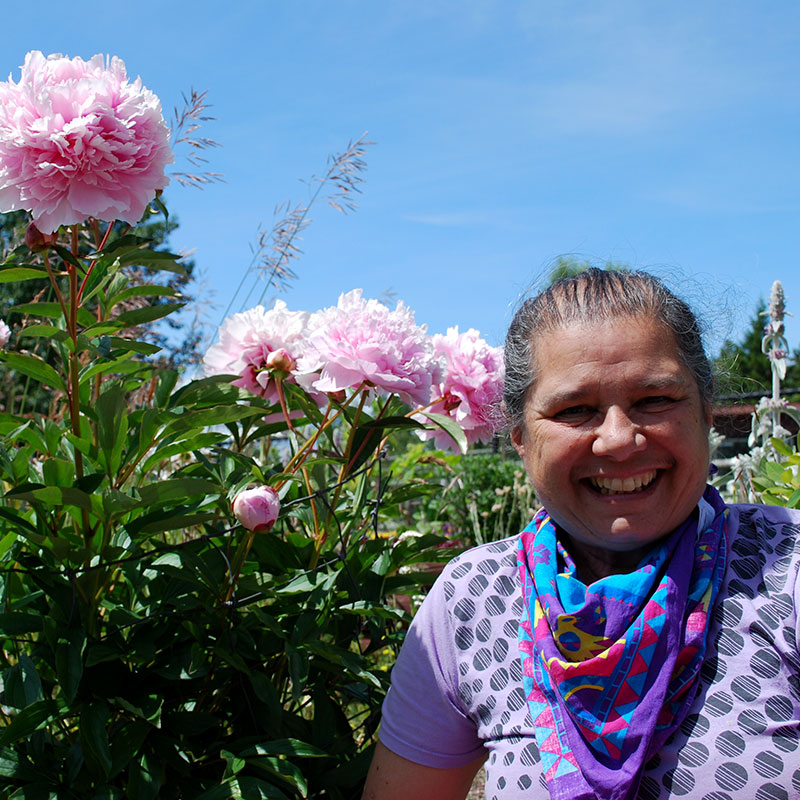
639 638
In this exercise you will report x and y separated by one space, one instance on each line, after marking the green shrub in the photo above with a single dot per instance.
151 647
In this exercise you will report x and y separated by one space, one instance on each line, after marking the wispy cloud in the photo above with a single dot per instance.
456 219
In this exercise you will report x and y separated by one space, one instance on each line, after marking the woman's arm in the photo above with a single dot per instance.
392 777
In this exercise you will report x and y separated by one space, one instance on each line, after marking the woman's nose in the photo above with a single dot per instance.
617 436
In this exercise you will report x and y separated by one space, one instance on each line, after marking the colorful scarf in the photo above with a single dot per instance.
610 670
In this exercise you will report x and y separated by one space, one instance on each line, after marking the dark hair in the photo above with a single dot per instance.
594 296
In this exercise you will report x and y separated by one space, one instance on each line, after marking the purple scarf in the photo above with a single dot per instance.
610 670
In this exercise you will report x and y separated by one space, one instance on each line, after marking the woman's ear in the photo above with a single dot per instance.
518 440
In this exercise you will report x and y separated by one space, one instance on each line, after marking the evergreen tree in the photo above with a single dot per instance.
742 367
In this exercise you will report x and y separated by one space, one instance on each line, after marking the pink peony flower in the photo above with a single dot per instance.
254 343
78 140
362 342
257 509
471 386
5 334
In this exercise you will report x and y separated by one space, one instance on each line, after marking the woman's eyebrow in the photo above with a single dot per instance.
653 383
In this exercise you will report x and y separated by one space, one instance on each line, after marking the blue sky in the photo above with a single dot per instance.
507 134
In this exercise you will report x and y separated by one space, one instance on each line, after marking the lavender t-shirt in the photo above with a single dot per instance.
457 686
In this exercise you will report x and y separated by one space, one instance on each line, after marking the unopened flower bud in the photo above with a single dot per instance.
280 360
5 334
37 241
451 402
257 509
337 397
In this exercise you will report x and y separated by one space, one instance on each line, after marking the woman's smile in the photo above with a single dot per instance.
623 486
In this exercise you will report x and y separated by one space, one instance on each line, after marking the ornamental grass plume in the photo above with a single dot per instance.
470 388
361 343
256 343
257 509
78 140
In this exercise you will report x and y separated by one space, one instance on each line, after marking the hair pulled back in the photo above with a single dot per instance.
590 297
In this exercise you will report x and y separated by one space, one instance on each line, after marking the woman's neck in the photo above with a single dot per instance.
594 563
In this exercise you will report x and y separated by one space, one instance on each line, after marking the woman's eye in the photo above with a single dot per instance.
573 413
656 402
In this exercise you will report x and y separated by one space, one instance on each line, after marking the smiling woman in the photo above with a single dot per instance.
639 637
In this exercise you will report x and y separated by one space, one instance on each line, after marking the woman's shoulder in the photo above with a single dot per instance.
485 558
767 536
491 566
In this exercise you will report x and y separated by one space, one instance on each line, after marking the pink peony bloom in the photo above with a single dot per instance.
257 509
254 343
361 342
471 387
5 334
78 140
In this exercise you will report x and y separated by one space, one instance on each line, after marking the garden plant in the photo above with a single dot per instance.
195 599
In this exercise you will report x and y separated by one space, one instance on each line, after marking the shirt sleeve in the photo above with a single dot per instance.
423 719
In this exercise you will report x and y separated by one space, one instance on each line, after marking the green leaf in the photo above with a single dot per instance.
143 290
112 426
53 311
16 623
450 427
22 686
123 364
160 522
155 259
119 343
197 442
365 442
126 743
144 778
781 446
177 489
58 472
55 496
234 764
6 542
9 274
207 392
214 416
69 662
94 738
235 788
285 747
283 770
67 256
166 383
27 721
43 330
35 368
139 316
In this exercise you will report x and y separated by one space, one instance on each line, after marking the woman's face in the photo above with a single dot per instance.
615 440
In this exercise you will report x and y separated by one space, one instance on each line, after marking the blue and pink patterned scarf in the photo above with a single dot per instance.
610 670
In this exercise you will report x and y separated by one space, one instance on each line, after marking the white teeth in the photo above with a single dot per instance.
624 485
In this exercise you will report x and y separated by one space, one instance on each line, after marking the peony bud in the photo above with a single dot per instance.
36 240
280 360
5 334
451 402
257 509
